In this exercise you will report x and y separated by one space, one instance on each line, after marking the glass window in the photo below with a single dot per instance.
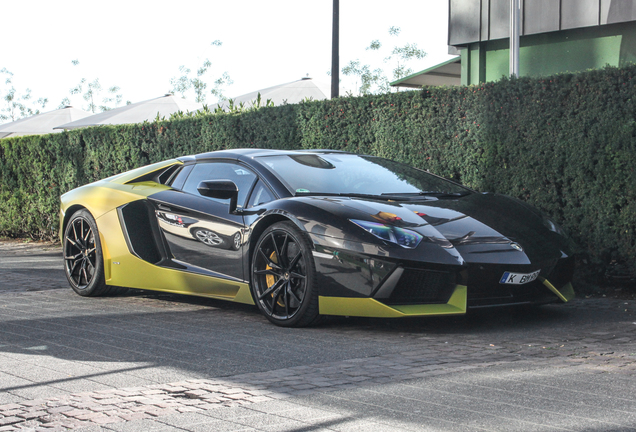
242 177
260 195
349 173
178 181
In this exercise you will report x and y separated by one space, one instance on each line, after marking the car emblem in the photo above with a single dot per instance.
516 246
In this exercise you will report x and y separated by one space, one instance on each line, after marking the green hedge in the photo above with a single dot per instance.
564 143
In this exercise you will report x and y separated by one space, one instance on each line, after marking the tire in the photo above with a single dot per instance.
83 259
284 277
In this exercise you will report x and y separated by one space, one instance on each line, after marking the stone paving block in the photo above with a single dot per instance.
185 409
13 412
153 392
102 420
134 416
89 428
10 420
228 391
32 414
158 412
59 409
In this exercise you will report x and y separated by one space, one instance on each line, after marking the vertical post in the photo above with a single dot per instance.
335 47
515 30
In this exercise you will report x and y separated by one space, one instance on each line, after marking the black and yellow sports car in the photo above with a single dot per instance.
308 233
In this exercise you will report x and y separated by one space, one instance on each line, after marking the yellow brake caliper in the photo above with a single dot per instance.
271 280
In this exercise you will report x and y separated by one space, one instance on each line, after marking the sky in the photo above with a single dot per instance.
139 45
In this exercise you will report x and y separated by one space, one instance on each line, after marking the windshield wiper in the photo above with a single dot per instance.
397 196
428 193
346 195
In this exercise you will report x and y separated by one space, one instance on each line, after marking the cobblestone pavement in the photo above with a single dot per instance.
28 266
145 361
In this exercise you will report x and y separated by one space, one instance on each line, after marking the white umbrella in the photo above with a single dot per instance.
136 113
293 92
42 123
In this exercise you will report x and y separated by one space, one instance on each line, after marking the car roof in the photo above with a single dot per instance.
249 153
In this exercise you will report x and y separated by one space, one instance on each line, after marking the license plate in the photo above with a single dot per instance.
519 278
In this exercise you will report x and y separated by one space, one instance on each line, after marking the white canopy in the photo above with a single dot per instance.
448 72
136 113
42 123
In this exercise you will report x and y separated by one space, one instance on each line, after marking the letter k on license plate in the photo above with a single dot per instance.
518 278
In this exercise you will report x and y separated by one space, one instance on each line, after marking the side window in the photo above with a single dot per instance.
260 195
243 178
180 177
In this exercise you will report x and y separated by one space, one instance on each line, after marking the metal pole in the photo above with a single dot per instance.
515 30
335 47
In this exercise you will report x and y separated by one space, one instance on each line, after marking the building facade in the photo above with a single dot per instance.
555 36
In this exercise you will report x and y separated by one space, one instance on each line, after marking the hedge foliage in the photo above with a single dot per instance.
565 143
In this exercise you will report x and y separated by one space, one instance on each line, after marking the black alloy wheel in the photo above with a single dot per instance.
283 277
83 262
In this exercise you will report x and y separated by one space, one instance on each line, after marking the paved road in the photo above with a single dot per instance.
144 362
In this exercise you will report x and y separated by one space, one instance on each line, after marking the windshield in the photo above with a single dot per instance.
354 174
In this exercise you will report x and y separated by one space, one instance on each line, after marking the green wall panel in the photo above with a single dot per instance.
550 53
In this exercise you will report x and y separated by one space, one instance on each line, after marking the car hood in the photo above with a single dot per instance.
476 228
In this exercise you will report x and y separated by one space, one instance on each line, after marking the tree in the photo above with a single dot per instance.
16 105
198 84
91 91
376 80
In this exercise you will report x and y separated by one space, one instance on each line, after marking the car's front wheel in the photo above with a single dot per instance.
83 261
284 276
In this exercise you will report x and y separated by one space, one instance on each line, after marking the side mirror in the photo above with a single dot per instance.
220 189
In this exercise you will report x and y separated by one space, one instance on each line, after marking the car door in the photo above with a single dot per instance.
200 231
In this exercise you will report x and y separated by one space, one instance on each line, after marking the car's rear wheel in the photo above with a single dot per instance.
284 276
83 261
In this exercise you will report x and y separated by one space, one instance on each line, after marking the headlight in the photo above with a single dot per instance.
404 237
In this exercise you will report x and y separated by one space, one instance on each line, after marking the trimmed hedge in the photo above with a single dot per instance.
565 143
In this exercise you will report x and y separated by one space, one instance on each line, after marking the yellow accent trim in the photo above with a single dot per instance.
106 256
565 294
130 271
133 272
102 197
138 172
368 307
244 295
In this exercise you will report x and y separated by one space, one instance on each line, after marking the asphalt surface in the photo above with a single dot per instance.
145 361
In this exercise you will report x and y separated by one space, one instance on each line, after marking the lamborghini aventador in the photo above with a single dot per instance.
302 234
